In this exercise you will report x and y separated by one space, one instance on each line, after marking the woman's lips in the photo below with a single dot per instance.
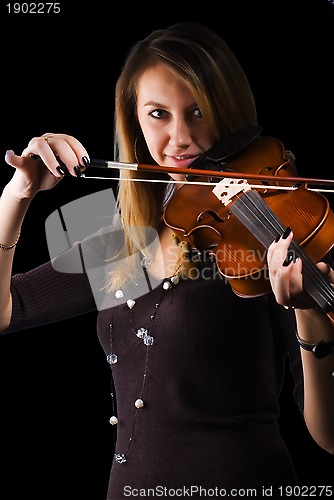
181 161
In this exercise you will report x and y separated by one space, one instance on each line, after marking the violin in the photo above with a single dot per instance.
236 223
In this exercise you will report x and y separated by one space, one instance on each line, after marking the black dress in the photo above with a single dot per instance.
209 378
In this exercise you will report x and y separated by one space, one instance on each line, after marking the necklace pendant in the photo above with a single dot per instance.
119 294
112 358
166 285
130 303
142 333
146 262
120 458
175 279
148 340
113 420
139 403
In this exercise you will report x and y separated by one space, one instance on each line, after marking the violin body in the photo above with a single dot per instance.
202 216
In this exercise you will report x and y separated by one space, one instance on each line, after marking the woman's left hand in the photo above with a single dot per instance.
285 274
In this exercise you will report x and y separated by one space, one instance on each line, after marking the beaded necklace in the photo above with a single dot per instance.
144 333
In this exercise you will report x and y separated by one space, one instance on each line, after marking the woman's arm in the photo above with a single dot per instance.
313 326
12 212
39 168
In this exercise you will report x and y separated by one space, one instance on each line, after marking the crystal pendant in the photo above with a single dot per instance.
120 458
113 420
146 261
112 358
130 303
142 333
148 340
139 403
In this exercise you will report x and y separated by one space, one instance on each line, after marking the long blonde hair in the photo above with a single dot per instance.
223 94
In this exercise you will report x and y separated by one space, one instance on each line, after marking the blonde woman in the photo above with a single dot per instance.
197 368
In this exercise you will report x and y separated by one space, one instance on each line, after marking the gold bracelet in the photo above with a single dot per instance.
9 247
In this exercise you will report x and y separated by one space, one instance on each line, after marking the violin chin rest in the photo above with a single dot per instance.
225 150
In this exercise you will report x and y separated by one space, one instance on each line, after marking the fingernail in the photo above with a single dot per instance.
290 257
278 237
77 171
60 170
85 161
286 233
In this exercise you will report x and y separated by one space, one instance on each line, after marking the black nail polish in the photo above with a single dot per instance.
77 171
85 161
278 237
290 257
60 170
286 233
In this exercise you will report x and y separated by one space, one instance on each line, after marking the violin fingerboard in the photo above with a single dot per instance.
258 217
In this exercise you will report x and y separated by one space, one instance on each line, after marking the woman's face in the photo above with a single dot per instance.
171 122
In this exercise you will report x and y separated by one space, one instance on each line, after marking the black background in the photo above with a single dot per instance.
58 75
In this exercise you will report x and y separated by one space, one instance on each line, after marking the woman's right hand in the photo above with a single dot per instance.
45 161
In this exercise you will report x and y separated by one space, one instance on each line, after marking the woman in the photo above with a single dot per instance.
197 369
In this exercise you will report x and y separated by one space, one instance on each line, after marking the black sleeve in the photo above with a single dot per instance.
45 295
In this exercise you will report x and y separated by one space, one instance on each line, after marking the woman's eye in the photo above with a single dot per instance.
158 113
197 112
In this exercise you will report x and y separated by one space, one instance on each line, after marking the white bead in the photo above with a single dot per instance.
113 420
139 403
166 285
119 294
130 303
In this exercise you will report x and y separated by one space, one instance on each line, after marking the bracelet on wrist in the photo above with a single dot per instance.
9 247
320 350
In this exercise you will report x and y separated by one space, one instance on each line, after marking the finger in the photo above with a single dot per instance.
278 251
61 153
280 267
280 283
73 156
40 148
325 268
296 280
83 158
13 160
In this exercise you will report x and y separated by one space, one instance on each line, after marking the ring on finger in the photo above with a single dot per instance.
46 138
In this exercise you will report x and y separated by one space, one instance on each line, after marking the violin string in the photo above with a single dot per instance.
314 274
276 223
311 271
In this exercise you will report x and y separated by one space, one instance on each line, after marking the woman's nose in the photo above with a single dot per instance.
180 136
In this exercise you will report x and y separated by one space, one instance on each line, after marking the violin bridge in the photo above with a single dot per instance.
228 188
